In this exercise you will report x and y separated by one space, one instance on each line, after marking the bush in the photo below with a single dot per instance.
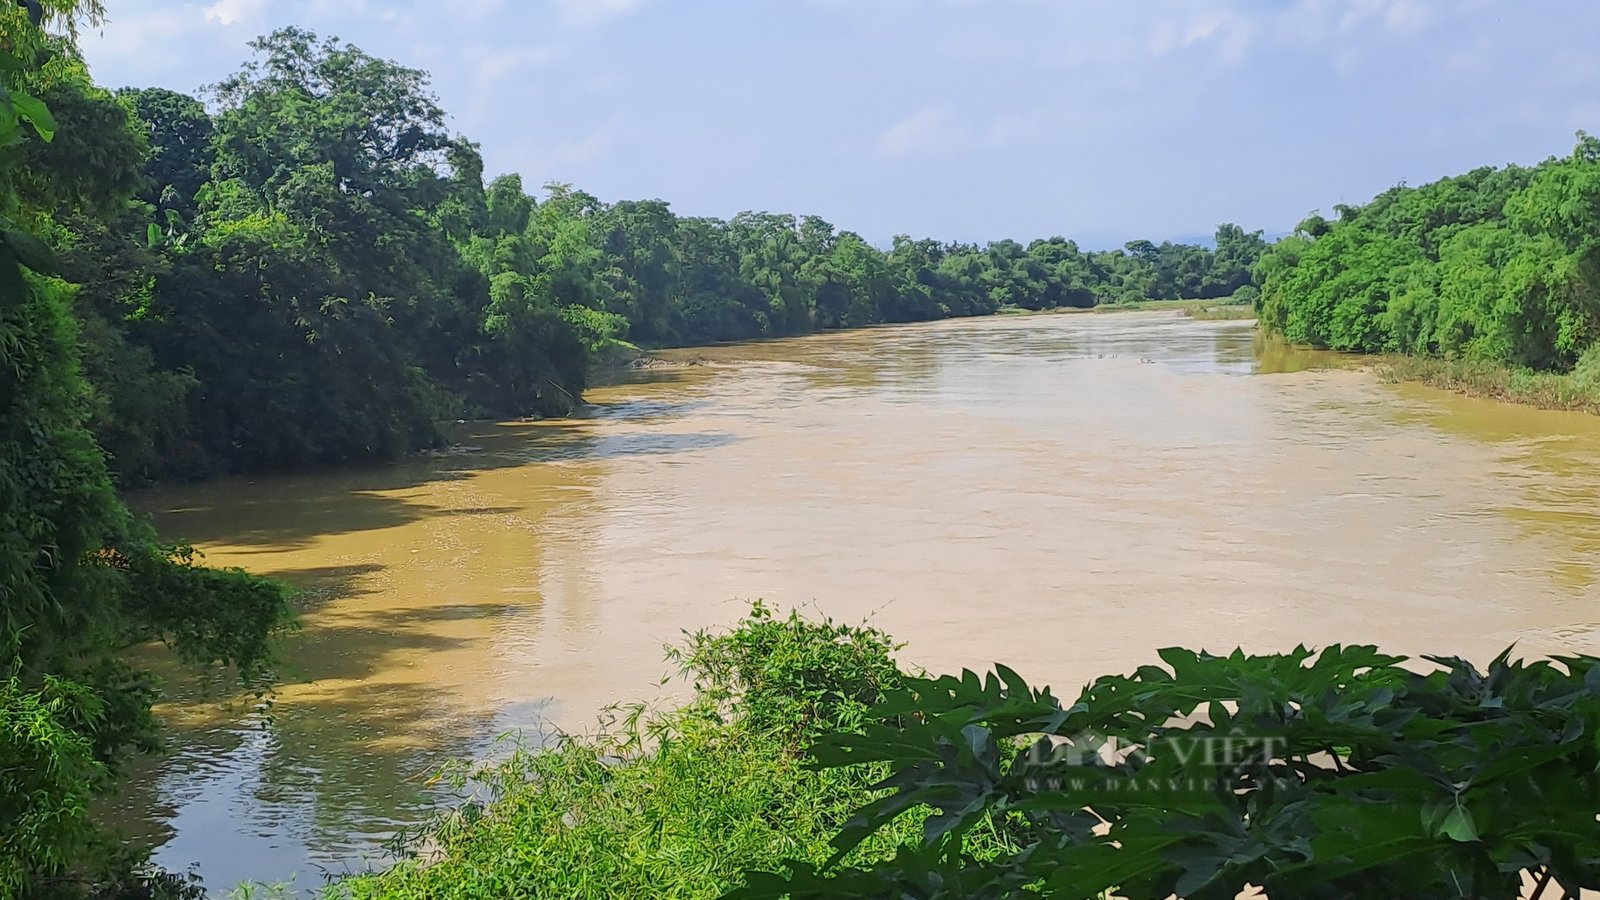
791 677
1332 775
673 804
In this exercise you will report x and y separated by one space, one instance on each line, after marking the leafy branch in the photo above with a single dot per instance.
1312 775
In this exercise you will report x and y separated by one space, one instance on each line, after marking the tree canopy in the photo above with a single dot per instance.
307 266
1498 265
81 582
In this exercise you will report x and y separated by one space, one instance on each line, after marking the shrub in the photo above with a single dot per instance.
674 804
792 676
1332 775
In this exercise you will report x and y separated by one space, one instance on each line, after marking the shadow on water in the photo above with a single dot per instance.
614 446
388 676
1275 356
291 511
324 776
288 796
361 643
319 583
641 410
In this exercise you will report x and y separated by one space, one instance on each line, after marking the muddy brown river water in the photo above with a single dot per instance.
1065 494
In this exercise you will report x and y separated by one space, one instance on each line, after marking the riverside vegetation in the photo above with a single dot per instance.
1489 282
809 766
81 581
313 270
678 803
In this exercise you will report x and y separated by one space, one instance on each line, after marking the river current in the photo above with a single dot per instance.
1065 494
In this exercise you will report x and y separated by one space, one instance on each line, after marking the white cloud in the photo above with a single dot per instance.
122 45
1010 130
234 12
913 133
1171 36
556 161
1408 16
1227 31
588 13
1313 21
495 67
1571 68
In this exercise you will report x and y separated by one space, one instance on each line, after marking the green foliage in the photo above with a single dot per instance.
1334 774
1344 773
572 821
671 804
314 270
288 287
80 581
80 584
92 162
51 773
1499 266
793 677
179 133
1578 391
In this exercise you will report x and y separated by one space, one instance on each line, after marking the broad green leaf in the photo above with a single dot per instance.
1458 825
36 113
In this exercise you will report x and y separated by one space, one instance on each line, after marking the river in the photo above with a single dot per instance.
1065 494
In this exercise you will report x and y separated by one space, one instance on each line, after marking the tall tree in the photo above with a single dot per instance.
80 581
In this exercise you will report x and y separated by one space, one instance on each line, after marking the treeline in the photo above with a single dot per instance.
312 269
1498 265
82 582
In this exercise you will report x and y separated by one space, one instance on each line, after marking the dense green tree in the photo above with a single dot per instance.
1497 265
179 133
81 582
848 275
1237 252
638 237
314 270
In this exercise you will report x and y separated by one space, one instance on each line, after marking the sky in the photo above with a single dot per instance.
957 119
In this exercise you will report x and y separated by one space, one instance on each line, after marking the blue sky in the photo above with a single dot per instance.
956 119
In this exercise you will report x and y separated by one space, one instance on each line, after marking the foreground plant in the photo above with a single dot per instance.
1312 775
81 582
674 804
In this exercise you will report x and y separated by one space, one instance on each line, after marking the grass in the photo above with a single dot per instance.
1219 312
1134 305
675 804
1576 392
1223 308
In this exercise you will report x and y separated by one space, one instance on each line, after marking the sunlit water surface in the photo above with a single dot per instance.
1062 493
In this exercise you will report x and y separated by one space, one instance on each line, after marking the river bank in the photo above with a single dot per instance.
1219 309
677 802
1576 392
